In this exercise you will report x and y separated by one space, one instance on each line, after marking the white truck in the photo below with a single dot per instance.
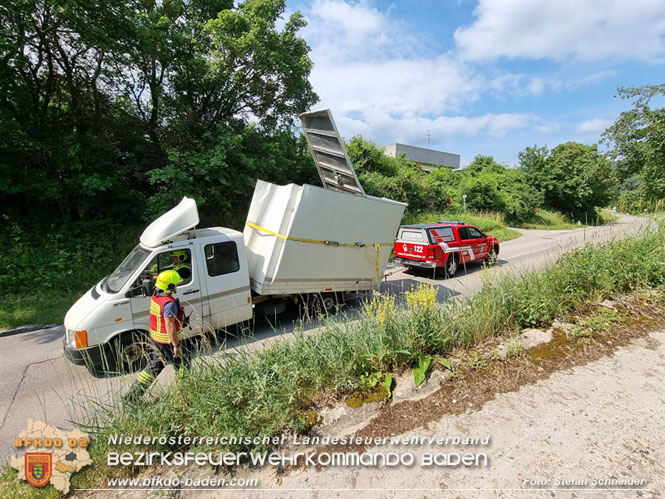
301 243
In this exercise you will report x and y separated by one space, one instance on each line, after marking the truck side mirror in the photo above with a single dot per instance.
148 286
144 289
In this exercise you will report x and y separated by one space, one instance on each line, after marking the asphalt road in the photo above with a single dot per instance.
36 382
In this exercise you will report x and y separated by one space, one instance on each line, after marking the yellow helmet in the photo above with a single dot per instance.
181 255
167 281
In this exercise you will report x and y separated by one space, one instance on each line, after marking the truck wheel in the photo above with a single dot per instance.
321 304
451 265
129 353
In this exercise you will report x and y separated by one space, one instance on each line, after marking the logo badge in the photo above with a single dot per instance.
38 468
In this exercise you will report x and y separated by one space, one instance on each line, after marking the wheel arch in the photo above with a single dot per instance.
124 333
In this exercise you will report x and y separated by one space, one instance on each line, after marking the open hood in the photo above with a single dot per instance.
174 222
329 153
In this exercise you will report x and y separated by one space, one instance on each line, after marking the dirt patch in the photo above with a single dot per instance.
528 338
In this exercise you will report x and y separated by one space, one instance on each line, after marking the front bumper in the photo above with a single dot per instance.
91 356
407 262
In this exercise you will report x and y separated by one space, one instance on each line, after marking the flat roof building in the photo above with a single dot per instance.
427 159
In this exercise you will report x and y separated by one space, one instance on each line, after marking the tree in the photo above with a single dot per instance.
227 70
385 176
100 102
488 185
637 139
578 179
491 186
221 169
442 185
533 162
58 147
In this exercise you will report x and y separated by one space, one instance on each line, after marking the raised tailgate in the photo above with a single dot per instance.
329 153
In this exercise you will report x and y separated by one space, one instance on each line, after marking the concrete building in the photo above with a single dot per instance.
428 159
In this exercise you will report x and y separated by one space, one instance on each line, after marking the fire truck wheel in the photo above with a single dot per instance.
451 266
492 257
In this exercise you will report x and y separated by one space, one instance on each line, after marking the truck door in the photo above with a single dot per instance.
188 292
228 297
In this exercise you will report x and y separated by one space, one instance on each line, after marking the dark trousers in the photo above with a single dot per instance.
161 355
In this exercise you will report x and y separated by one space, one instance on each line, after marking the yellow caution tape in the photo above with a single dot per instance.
377 246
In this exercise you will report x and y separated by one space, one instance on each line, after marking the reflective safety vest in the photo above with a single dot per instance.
183 266
157 324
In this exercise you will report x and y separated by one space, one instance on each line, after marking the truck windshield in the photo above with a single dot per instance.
117 280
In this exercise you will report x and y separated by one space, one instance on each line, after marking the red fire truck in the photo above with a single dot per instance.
444 246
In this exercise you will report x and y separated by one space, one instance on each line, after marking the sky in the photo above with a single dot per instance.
486 77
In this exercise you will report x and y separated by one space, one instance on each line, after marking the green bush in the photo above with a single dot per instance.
574 178
383 176
488 185
46 267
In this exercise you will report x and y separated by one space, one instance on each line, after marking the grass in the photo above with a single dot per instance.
603 320
514 348
607 216
477 361
491 222
42 308
272 391
552 220
549 220
47 268
12 488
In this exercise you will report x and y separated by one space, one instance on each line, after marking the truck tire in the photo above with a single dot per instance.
321 304
451 266
128 353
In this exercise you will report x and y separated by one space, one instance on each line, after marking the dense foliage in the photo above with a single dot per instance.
118 109
637 139
574 178
488 185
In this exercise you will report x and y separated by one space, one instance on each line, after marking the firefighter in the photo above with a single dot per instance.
182 264
166 323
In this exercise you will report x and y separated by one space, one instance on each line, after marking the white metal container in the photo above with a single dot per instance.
305 239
